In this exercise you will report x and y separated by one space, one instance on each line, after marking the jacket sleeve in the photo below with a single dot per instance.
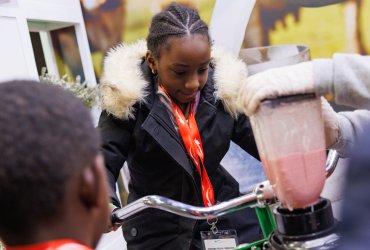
351 125
116 136
243 136
346 77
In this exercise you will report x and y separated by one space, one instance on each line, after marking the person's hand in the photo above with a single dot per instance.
331 123
288 80
111 226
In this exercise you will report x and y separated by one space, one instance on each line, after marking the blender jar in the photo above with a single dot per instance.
289 133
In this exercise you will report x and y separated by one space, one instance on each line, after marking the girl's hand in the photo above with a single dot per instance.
111 226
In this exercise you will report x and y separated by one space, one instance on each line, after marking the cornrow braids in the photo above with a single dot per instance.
175 21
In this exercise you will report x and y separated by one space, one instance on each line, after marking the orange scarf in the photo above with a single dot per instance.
52 245
193 143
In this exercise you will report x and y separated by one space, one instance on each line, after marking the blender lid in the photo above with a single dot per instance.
261 58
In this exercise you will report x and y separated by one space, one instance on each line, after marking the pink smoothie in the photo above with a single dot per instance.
297 178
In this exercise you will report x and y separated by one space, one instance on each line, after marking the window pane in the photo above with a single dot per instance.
67 53
37 51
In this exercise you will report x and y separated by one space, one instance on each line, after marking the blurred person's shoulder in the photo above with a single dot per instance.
362 146
359 162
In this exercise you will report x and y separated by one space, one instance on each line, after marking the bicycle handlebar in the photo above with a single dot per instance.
259 195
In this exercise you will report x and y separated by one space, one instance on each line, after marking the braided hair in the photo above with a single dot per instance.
175 21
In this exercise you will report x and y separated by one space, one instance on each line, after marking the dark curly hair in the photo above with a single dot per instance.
175 21
46 136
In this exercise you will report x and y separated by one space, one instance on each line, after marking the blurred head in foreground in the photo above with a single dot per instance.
52 179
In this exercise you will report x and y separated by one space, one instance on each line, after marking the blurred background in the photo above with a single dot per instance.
342 27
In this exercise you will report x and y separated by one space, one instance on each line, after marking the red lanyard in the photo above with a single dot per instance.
193 143
52 245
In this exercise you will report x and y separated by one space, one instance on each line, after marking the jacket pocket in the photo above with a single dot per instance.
154 229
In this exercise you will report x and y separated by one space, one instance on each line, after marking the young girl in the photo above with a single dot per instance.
169 111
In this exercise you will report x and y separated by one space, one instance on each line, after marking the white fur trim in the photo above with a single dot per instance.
229 75
123 84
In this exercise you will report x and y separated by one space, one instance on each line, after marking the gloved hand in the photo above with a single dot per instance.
331 123
288 80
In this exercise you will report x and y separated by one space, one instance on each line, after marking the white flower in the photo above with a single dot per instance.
81 90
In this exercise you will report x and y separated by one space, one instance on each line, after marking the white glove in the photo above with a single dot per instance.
331 123
288 80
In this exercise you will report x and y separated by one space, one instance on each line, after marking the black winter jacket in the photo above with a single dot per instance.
143 135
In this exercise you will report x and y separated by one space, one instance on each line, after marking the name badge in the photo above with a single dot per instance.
220 240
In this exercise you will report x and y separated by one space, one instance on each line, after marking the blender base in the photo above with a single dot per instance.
309 228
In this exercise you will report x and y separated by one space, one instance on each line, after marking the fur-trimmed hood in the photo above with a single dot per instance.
123 83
